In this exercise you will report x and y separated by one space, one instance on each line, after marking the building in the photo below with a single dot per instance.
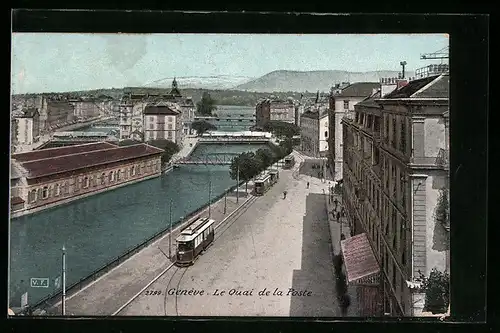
28 127
314 133
395 185
46 178
342 99
271 109
89 108
135 101
163 121
13 132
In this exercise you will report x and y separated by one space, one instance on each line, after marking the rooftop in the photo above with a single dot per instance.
429 87
61 151
359 89
370 101
60 164
160 110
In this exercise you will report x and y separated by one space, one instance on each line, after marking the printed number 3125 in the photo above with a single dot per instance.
153 292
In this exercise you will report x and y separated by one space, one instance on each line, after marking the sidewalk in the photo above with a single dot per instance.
336 229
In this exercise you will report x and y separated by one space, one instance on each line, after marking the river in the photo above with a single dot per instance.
97 229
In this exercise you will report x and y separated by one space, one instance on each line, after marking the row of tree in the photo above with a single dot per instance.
250 164
281 129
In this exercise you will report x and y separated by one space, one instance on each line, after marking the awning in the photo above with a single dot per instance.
359 260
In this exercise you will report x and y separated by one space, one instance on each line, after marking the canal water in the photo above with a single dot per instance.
97 229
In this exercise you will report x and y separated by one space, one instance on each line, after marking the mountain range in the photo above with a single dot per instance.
311 81
277 81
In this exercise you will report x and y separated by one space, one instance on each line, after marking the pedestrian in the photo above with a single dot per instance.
336 202
284 194
338 216
307 184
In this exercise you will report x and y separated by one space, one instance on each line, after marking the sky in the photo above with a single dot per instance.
55 62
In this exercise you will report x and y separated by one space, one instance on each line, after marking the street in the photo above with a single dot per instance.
273 260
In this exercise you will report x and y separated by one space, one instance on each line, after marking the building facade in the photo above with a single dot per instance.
28 127
163 121
270 109
395 178
342 99
314 133
50 177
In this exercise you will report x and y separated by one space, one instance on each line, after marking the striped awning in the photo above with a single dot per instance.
359 260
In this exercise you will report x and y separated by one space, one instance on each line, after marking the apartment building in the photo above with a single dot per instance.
314 133
28 126
270 109
396 180
163 121
343 97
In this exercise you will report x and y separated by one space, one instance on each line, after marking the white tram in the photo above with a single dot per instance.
262 184
289 162
193 239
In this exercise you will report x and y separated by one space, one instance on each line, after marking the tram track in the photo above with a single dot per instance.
226 223
173 281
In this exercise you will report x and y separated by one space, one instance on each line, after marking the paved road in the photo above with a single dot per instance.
276 245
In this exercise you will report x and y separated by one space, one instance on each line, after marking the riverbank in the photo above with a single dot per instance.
106 290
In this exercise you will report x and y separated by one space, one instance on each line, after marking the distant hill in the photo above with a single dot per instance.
311 81
201 82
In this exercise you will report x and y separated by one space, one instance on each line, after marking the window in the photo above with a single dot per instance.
118 174
85 182
169 134
170 119
357 117
376 124
132 171
32 196
346 104
394 125
103 178
45 192
58 190
111 176
151 126
326 134
169 126
403 135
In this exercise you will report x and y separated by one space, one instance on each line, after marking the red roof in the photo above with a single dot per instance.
73 162
61 151
16 200
359 259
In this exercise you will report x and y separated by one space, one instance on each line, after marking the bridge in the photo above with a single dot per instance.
235 137
83 136
229 118
208 159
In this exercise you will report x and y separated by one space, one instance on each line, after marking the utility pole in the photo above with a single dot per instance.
170 233
225 203
209 195
63 303
238 183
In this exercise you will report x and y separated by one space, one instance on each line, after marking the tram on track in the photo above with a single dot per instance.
193 239
289 162
262 185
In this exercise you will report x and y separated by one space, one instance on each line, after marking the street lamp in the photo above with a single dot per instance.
63 302
170 233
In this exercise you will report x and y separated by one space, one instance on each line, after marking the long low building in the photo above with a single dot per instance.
46 178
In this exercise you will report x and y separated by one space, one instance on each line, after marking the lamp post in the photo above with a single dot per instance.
225 202
238 182
63 275
209 195
170 233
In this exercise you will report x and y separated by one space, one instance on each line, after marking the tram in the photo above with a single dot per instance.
193 239
274 176
262 185
289 162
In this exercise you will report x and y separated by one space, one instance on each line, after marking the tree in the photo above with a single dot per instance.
202 126
169 147
206 105
265 158
248 165
287 146
127 142
443 209
282 129
437 291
